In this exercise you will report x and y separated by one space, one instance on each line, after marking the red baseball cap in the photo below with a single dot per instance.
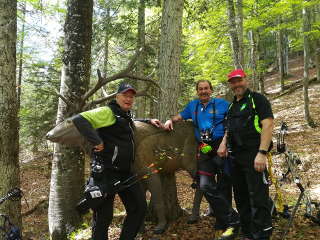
236 73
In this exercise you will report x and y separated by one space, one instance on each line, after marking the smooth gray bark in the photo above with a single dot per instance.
239 24
306 57
280 55
142 101
233 32
67 176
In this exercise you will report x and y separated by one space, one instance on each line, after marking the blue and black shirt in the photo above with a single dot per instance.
207 118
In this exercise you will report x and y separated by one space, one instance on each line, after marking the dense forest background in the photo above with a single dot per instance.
51 51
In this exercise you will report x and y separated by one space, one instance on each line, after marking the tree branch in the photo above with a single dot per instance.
106 98
68 103
122 74
98 101
146 79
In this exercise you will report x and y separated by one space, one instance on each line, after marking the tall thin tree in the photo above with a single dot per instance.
239 25
141 102
280 50
306 53
67 177
233 32
21 52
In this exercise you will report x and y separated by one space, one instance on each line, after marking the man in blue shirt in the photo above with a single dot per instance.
208 115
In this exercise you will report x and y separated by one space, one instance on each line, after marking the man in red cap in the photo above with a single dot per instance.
247 142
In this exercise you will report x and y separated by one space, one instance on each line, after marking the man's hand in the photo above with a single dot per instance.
260 162
156 122
98 148
222 150
168 125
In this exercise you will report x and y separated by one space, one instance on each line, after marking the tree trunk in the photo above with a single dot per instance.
67 177
141 101
286 54
21 53
316 43
306 50
280 55
104 91
253 56
239 22
234 40
169 77
317 58
261 84
318 46
9 125
260 62
169 57
106 42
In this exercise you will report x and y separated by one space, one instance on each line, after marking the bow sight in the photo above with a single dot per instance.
281 145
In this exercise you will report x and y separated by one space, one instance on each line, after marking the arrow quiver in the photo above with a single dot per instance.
278 199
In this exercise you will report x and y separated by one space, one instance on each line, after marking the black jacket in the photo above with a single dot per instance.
118 140
241 125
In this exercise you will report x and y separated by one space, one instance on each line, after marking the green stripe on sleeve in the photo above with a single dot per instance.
99 117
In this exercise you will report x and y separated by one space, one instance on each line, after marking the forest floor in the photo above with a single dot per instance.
301 139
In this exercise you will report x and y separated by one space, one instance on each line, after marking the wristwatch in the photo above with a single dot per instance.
264 152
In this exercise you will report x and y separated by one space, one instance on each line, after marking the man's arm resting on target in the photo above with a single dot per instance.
169 123
155 122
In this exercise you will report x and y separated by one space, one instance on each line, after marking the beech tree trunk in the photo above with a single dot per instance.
286 54
233 32
317 44
169 77
67 176
104 91
9 125
317 58
306 54
254 60
239 22
280 55
106 41
141 101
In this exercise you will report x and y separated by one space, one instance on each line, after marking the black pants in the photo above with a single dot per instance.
251 193
135 204
217 189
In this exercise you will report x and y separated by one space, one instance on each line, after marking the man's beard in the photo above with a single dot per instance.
239 93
